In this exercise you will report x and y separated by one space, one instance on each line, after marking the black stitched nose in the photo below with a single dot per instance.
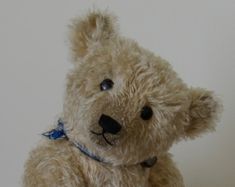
109 124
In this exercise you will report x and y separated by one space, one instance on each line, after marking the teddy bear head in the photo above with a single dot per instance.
122 102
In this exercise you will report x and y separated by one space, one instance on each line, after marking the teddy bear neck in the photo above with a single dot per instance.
60 133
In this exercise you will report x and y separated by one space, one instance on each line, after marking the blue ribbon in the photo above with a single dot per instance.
57 133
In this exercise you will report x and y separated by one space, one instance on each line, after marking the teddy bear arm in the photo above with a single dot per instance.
46 167
165 174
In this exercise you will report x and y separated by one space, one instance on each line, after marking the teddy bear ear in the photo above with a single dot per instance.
203 112
95 28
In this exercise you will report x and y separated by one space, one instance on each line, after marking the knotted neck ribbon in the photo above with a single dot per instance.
60 133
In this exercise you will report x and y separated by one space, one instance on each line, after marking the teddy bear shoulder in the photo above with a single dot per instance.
51 164
165 173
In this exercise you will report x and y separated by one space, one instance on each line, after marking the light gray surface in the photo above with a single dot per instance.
197 37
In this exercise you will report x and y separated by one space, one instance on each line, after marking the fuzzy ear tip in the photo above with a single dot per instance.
218 108
94 19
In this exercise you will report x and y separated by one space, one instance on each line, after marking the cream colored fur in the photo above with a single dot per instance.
140 78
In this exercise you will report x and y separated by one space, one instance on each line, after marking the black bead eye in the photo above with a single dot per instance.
106 84
146 113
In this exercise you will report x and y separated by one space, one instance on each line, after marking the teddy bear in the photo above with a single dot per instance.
124 107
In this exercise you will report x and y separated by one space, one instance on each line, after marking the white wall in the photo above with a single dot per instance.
197 37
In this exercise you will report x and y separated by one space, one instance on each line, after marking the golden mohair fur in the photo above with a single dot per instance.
140 79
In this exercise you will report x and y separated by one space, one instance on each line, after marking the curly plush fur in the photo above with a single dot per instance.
140 79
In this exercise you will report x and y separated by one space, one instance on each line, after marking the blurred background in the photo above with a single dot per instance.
197 37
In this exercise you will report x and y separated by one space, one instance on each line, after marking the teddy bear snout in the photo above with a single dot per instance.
109 124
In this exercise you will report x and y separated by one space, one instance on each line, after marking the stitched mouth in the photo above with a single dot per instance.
103 135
